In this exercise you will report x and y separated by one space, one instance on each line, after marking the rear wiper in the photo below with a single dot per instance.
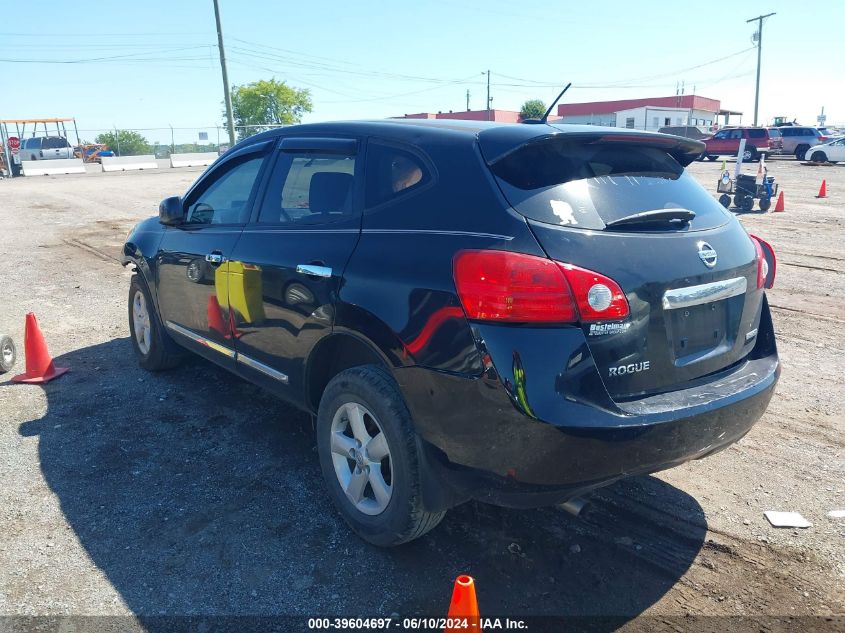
658 216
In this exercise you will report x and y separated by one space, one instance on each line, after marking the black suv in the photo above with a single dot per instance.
513 313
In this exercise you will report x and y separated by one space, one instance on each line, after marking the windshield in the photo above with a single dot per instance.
588 185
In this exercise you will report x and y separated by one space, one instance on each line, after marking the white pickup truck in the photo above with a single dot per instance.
45 148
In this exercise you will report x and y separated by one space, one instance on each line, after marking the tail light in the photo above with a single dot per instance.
518 288
823 139
766 263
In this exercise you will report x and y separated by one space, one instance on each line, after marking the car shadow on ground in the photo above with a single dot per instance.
196 493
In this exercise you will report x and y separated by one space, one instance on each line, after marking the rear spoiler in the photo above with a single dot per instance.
497 143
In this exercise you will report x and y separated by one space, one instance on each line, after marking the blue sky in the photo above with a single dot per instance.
153 64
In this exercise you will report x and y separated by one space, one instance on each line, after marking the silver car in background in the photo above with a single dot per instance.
45 148
798 139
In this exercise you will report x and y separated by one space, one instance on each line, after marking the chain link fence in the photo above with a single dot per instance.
164 141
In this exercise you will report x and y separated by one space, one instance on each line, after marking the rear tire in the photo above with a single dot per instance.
711 157
154 348
8 353
801 152
369 395
747 203
749 155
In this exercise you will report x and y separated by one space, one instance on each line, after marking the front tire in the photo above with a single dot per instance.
153 346
819 157
368 454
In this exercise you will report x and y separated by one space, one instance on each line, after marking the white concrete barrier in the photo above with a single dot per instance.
126 163
52 167
201 159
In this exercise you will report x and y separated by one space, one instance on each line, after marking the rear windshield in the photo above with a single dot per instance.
586 185
54 142
774 132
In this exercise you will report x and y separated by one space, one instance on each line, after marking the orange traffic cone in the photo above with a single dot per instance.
233 328
779 204
215 319
464 607
823 190
39 363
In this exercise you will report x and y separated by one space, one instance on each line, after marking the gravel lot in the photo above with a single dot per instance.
194 493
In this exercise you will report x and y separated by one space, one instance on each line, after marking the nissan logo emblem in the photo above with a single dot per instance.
707 254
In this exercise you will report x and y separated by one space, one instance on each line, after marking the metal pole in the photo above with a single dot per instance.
488 95
467 99
117 140
227 92
172 140
759 19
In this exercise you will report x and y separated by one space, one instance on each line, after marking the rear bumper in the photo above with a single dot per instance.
479 441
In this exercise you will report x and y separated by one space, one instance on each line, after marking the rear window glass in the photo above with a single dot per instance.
586 185
53 142
774 133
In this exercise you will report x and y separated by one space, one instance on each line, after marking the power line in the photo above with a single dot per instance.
90 60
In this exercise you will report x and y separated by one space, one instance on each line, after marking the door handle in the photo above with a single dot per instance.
214 258
314 270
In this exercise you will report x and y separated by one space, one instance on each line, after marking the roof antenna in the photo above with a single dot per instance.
551 107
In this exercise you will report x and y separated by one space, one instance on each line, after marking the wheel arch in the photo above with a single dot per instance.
334 353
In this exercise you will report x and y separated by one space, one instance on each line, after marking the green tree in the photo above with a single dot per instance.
124 142
533 109
266 103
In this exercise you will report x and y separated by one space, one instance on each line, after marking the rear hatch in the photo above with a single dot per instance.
618 204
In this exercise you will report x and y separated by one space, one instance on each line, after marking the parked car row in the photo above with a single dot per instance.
763 141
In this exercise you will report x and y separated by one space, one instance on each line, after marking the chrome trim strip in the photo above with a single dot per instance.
264 369
435 232
196 338
705 293
315 271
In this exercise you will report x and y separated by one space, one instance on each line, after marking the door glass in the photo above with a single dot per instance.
310 188
391 172
224 200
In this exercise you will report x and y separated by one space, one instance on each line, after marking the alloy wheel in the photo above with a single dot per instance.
141 322
361 458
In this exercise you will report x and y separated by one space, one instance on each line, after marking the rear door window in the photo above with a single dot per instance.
756 133
586 185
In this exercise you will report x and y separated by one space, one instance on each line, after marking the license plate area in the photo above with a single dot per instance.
703 321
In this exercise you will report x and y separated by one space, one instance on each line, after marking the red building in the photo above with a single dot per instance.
502 116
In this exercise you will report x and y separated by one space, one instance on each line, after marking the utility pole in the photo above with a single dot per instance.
227 92
467 99
759 19
489 99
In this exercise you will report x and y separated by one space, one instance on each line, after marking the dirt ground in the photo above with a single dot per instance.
193 493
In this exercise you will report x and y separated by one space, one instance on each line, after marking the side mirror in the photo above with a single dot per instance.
170 211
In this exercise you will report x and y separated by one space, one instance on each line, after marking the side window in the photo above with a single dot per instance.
736 134
224 200
721 135
756 133
787 131
391 172
309 188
